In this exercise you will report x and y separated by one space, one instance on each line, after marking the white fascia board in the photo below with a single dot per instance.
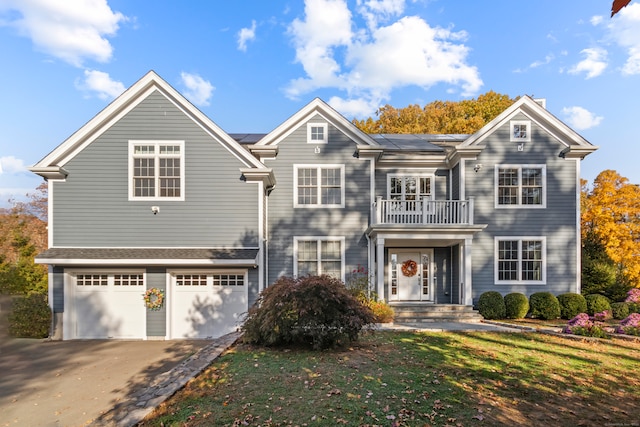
142 262
317 106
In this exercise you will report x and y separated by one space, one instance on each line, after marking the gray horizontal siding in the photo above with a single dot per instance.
157 319
91 208
285 221
557 222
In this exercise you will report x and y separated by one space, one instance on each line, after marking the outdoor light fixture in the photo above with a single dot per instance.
155 209
477 167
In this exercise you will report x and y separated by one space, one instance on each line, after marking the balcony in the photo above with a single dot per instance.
422 212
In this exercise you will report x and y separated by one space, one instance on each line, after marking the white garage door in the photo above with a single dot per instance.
106 305
207 304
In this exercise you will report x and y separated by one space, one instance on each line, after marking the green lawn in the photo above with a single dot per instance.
418 379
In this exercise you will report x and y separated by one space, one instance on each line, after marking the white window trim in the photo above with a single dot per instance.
431 176
512 124
325 133
542 239
319 239
319 167
519 205
157 143
210 273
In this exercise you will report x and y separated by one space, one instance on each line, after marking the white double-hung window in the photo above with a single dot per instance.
521 186
318 255
318 186
520 260
156 170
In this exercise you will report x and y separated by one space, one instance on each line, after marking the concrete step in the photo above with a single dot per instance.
416 313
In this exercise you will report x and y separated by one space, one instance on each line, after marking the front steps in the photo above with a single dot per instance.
425 312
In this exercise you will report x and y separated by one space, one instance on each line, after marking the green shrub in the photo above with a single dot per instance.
516 305
620 310
310 310
382 311
571 305
30 317
597 303
544 305
491 305
634 307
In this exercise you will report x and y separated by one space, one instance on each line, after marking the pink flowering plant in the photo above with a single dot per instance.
633 296
630 325
586 326
602 316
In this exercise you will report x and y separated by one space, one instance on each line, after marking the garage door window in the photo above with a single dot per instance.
92 280
228 280
191 280
128 280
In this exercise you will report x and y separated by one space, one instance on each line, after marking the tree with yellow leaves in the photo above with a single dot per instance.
466 116
611 222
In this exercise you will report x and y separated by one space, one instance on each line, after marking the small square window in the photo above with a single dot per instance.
520 131
317 133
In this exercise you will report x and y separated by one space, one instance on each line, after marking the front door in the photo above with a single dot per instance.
411 275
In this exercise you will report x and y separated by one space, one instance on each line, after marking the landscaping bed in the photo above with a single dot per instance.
408 379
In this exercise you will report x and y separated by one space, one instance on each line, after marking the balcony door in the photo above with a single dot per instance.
411 275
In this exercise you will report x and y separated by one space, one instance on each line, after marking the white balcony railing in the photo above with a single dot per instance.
422 212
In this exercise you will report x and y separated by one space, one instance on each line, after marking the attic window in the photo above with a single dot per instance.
317 133
520 131
156 170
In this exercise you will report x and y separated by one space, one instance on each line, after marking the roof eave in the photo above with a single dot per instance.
50 172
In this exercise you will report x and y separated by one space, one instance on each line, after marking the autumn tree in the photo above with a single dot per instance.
23 234
466 116
611 234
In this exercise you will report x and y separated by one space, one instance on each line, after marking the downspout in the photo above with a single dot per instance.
451 275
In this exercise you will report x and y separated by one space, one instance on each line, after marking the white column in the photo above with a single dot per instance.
468 294
380 266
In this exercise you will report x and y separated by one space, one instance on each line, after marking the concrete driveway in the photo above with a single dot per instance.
71 383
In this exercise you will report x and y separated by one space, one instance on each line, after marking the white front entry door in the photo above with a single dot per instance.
411 275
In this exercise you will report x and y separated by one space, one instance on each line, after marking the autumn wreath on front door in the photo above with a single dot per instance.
409 268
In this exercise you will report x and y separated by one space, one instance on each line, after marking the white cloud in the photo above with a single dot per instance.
245 35
198 90
71 30
369 63
10 165
593 65
580 118
100 83
596 20
624 29
351 108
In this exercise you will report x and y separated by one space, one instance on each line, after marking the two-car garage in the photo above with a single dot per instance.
110 304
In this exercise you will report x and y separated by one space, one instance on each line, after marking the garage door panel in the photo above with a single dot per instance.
200 309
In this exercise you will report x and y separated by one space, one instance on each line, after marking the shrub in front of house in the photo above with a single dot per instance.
597 303
620 310
312 310
491 305
516 305
544 305
585 326
30 317
634 307
571 304
630 325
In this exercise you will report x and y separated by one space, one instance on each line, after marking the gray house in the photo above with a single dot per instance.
151 194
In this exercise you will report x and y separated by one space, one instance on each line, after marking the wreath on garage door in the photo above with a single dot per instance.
409 268
154 298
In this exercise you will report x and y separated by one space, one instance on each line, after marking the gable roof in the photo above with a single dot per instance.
52 165
576 145
317 106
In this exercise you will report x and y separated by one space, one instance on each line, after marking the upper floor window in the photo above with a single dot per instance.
521 186
317 133
319 255
156 170
318 186
520 130
409 187
520 260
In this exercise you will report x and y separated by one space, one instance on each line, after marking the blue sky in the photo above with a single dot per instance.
249 65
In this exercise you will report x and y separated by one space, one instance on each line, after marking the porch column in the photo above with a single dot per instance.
467 297
380 267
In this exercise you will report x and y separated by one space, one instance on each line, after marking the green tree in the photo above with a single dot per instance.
465 116
23 234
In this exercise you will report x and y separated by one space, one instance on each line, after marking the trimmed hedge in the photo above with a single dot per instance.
30 317
516 305
491 305
310 310
571 304
620 310
544 305
597 303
